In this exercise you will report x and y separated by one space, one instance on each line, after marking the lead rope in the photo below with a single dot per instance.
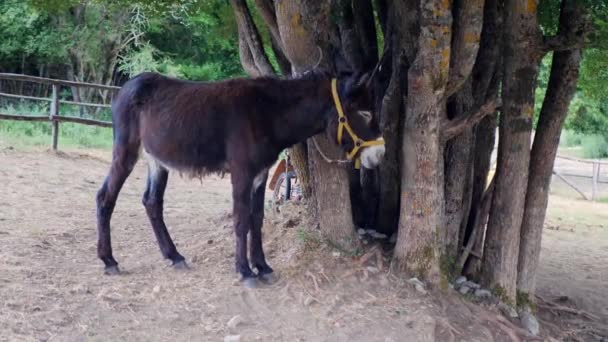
325 157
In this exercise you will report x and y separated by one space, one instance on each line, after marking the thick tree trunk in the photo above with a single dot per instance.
457 165
560 90
422 179
486 67
521 62
304 26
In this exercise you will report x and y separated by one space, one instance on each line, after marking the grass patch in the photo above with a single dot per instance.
21 133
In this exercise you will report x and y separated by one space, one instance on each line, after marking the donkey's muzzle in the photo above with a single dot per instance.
372 156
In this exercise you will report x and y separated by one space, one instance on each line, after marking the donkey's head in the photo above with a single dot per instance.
353 123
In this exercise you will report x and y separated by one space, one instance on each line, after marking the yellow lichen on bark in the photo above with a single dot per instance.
531 6
528 111
296 24
471 37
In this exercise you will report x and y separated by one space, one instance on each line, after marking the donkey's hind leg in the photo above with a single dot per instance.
258 260
123 161
153 201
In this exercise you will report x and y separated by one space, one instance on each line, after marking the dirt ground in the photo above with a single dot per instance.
52 286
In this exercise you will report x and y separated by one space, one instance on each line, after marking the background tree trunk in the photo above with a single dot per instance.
486 81
422 180
521 62
468 20
560 91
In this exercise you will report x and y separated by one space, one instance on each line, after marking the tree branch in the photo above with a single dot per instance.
478 224
251 37
468 22
266 10
561 42
572 32
452 128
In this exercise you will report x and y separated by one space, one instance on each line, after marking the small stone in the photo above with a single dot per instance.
529 322
372 269
336 254
415 281
460 280
420 288
464 289
156 289
232 338
234 321
393 238
482 293
418 285
361 231
210 241
508 310
378 236
471 285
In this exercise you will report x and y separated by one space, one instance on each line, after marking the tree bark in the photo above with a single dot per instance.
305 30
521 62
249 38
560 91
485 70
422 199
457 161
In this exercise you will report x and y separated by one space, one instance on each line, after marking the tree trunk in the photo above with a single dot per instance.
457 162
486 70
485 137
304 26
422 179
560 90
521 62
468 25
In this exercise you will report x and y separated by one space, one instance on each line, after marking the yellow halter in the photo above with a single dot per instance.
343 124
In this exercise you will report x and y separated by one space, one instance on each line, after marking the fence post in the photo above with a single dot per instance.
52 116
595 180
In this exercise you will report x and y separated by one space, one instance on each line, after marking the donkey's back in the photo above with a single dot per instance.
182 125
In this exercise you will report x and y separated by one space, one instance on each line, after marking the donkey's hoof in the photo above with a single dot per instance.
111 270
268 278
181 265
249 282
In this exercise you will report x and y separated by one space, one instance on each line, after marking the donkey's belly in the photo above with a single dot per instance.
192 160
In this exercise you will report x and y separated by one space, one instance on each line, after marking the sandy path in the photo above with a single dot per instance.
52 286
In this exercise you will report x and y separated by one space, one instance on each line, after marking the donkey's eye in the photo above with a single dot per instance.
367 115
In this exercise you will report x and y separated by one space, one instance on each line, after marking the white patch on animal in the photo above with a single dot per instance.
372 156
154 166
259 178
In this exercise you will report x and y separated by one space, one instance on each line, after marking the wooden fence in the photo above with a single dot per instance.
54 116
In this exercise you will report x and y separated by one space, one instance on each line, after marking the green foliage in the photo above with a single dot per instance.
594 146
28 33
570 139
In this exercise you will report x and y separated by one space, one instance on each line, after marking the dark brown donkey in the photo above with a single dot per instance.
238 125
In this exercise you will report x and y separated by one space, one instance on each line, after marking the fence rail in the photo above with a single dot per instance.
54 118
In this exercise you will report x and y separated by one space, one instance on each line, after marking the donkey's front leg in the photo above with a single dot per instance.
257 212
241 197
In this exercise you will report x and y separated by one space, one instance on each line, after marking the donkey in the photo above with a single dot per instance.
238 126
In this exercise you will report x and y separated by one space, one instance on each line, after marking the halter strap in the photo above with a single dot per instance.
343 124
